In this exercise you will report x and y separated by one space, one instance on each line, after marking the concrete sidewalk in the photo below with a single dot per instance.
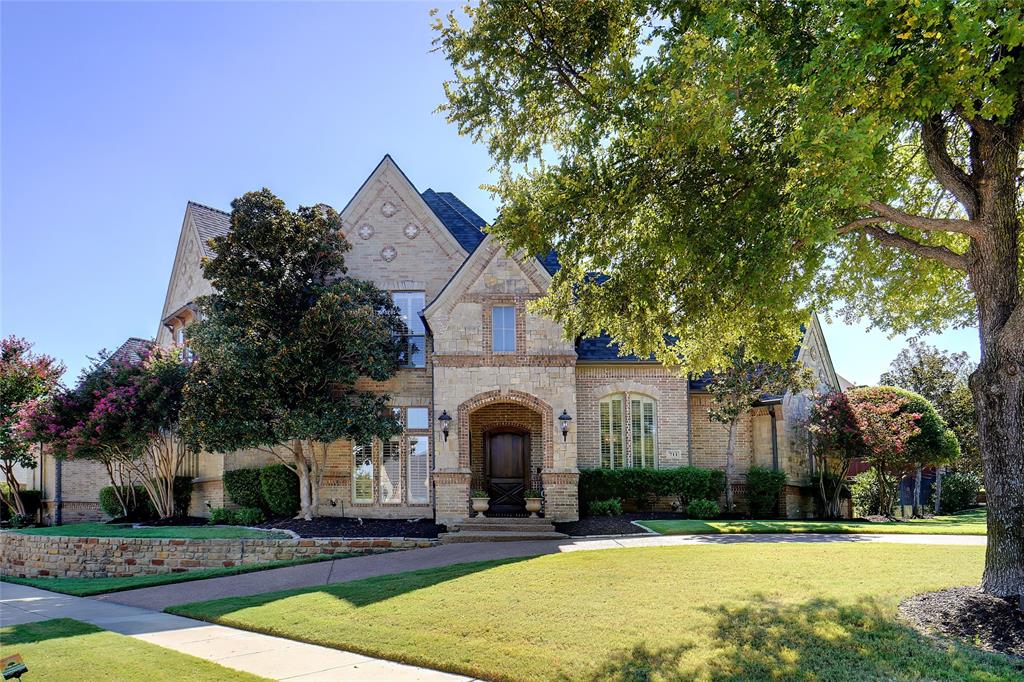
355 568
263 655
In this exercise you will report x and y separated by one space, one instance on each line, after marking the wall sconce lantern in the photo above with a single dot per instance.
564 419
445 420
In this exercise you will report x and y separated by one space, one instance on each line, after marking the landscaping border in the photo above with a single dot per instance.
36 556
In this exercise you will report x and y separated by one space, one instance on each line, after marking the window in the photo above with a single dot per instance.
391 472
640 430
409 304
362 474
503 329
419 469
644 445
417 418
611 433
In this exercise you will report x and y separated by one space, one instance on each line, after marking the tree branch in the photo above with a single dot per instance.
895 240
889 214
934 137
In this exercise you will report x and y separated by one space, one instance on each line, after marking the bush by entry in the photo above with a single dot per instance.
65 649
735 612
965 523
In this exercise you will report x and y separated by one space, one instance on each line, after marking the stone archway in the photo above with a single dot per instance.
533 403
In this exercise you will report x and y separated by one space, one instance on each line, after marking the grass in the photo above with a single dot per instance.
822 611
88 587
103 530
970 522
65 649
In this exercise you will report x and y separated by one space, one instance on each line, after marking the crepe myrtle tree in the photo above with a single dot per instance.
901 433
731 164
287 341
835 441
734 389
25 379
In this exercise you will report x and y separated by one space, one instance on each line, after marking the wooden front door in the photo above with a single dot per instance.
506 462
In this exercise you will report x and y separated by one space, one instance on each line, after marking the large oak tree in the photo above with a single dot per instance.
730 164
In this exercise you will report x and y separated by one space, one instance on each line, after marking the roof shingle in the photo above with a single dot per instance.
210 222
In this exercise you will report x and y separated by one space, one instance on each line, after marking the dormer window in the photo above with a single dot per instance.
503 329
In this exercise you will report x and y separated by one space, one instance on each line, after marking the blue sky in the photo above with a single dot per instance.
113 115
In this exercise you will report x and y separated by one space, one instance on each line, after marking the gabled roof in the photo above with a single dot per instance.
210 222
131 350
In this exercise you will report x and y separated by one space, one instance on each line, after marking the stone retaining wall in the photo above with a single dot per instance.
31 556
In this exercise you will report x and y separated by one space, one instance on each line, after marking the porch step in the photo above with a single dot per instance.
499 536
485 524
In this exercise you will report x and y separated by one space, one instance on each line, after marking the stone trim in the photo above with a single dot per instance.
519 398
504 360
30 556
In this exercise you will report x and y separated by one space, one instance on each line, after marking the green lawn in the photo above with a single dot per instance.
970 522
64 649
823 611
88 587
103 530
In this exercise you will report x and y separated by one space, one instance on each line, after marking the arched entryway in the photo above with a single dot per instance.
506 468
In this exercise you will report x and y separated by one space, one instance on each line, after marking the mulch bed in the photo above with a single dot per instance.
612 525
338 527
968 615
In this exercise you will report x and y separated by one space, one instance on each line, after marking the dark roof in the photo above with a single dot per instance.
210 223
601 348
465 225
131 350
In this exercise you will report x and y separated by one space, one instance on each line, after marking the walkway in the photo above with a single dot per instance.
355 568
273 657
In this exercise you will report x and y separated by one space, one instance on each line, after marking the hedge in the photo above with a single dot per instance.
32 499
280 487
243 487
959 491
138 504
763 488
640 483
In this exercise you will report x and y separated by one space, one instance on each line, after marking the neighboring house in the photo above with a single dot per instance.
502 374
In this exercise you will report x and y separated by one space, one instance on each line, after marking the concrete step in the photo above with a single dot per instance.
503 527
506 524
498 536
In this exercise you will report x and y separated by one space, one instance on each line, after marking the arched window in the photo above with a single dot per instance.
639 429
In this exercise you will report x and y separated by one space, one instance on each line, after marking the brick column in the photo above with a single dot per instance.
451 495
561 496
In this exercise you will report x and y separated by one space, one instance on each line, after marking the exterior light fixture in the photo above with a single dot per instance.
564 418
445 420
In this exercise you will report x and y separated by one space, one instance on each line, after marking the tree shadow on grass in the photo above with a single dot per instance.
821 639
57 628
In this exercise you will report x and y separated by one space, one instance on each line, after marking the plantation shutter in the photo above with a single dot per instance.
419 469
362 474
391 472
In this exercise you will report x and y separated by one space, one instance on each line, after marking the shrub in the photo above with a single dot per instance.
612 507
219 516
763 488
702 509
686 483
865 494
249 516
137 502
32 499
182 495
480 494
280 487
243 487
959 491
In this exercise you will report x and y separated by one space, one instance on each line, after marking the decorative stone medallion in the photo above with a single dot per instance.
411 230
365 230
388 253
388 209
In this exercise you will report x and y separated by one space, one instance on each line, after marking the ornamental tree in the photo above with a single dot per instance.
836 440
731 164
901 432
736 387
284 340
124 413
25 378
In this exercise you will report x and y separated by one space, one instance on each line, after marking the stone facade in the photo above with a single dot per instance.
32 556
432 245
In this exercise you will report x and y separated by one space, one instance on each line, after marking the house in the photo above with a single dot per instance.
503 375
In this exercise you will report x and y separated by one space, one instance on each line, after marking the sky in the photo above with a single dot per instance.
113 115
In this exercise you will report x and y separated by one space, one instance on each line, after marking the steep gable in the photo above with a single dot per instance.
186 283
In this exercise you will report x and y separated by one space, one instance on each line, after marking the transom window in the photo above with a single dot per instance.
639 429
503 329
410 304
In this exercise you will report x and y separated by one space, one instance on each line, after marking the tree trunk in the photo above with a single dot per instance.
998 383
306 509
13 500
730 464
937 490
916 511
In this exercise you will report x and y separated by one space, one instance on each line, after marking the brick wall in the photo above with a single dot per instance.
75 557
594 382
